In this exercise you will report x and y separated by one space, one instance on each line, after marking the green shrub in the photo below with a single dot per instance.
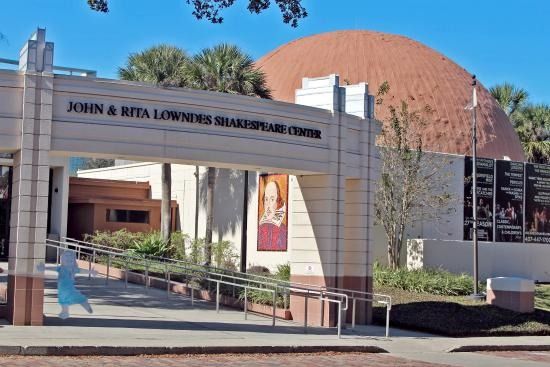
224 255
266 297
258 270
180 242
122 239
152 245
125 240
433 281
283 272
196 254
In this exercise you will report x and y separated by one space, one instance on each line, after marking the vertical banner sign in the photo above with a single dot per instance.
537 203
509 202
484 205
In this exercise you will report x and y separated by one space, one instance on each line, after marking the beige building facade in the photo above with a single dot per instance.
326 141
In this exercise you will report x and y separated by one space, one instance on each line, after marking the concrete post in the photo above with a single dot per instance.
29 208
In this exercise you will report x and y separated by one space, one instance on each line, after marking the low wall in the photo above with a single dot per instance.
525 260
180 288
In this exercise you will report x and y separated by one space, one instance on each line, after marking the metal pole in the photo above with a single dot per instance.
89 267
168 283
339 319
322 308
387 321
474 184
218 297
108 268
126 268
245 303
274 305
353 313
305 312
286 296
147 276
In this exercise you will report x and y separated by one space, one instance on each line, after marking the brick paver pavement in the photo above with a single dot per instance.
523 355
256 360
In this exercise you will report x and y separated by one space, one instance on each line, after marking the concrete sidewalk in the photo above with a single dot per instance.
140 321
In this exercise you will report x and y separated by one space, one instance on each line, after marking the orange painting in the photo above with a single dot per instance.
273 212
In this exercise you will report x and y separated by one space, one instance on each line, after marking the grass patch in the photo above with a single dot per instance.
459 316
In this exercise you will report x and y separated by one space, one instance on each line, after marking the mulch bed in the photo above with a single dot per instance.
458 316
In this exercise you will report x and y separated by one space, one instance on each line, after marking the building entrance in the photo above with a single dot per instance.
326 140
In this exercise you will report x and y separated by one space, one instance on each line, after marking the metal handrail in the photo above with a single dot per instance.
353 295
343 298
367 297
255 276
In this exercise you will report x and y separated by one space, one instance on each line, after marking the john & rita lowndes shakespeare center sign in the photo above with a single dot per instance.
192 118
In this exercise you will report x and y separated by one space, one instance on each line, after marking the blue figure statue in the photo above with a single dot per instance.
67 294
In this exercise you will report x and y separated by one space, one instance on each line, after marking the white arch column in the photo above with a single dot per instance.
29 207
333 213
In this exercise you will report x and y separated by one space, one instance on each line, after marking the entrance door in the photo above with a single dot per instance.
5 206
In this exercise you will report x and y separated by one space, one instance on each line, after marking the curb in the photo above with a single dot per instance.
133 351
500 348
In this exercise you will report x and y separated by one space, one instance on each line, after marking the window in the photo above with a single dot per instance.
127 216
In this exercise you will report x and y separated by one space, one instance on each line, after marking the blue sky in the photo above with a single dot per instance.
499 40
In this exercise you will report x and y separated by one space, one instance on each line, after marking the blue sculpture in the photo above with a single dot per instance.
67 294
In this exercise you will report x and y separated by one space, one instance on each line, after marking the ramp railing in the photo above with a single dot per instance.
192 272
282 286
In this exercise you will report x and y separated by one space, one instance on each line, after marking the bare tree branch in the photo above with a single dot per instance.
414 185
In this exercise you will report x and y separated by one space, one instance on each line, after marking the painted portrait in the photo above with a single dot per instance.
273 212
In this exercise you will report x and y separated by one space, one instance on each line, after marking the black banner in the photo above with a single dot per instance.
509 202
484 207
537 203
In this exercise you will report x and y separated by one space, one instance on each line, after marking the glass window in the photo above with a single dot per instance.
127 216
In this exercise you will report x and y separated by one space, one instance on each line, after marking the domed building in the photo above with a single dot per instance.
416 74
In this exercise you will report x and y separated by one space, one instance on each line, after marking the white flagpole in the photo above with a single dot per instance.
474 186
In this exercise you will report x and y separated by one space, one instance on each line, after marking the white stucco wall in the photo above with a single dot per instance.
496 259
228 206
446 227
228 203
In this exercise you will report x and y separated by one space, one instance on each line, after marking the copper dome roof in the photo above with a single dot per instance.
416 73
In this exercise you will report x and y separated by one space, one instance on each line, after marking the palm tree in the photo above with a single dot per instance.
532 124
162 65
509 97
223 68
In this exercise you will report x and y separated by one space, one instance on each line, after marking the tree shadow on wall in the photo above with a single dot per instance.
228 198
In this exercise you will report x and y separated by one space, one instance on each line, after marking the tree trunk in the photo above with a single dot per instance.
399 243
166 210
244 227
209 215
197 199
390 255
